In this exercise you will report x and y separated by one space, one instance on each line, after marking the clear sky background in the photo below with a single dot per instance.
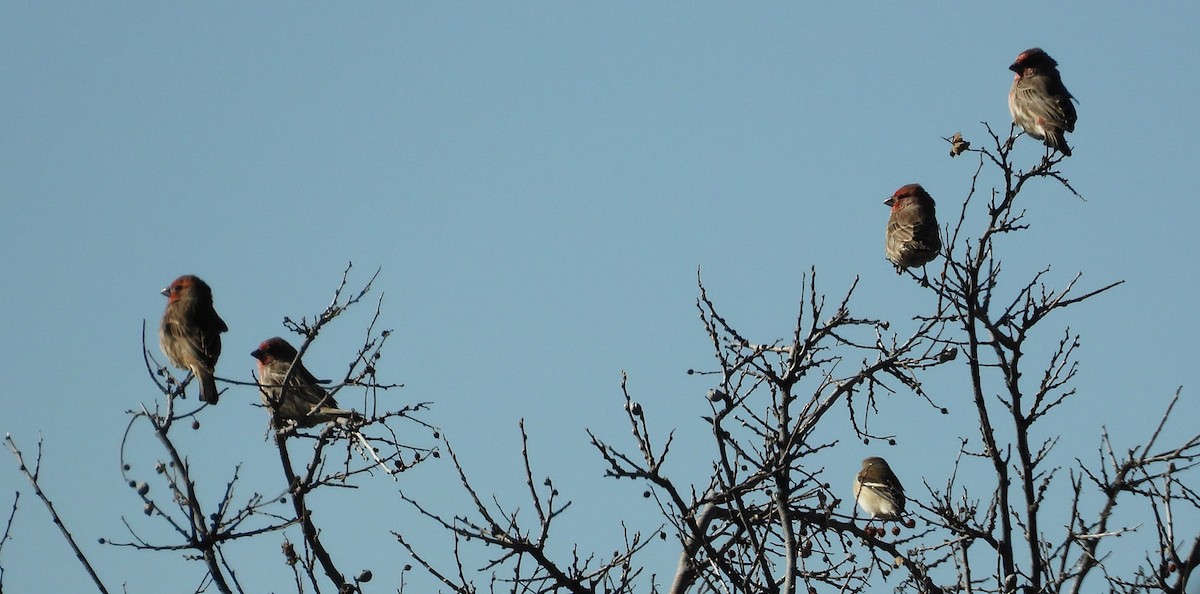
540 183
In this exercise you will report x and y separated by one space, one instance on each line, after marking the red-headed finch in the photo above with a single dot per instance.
878 491
913 238
302 401
190 332
1039 102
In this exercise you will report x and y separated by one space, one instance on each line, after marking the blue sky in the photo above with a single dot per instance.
540 183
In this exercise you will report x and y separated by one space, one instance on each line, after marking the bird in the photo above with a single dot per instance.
303 402
913 238
190 332
1039 102
878 491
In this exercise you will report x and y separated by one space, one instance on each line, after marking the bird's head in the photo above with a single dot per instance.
875 462
1034 58
187 286
274 349
907 195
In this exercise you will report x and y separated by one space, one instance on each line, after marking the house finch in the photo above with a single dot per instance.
303 402
878 491
1039 102
190 332
912 230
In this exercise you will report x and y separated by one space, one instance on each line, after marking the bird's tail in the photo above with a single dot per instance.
208 386
1056 139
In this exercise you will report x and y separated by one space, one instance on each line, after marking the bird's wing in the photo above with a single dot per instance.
1047 98
304 385
909 231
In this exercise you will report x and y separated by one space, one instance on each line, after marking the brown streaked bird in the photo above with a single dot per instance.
878 491
303 401
1039 102
913 238
190 332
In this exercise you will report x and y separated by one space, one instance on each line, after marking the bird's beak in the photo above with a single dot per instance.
257 354
1015 67
166 292
889 201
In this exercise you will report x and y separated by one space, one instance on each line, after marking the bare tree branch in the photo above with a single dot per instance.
33 475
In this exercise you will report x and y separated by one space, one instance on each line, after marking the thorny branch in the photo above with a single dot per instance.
766 520
33 476
8 533
524 548
206 529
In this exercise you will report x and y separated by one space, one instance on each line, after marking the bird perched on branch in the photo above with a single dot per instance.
1038 100
302 401
913 238
878 491
190 332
